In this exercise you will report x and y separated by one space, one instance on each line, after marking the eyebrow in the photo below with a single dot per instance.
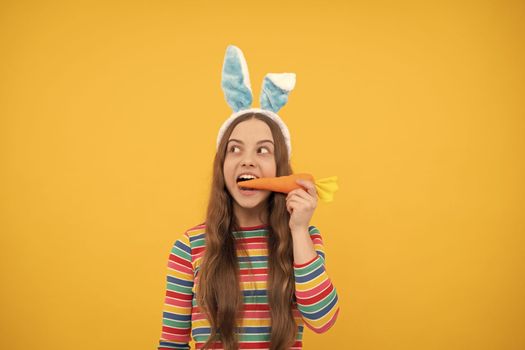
258 142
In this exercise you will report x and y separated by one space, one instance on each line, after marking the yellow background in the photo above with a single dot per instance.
109 114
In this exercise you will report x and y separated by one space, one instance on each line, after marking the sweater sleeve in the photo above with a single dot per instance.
176 315
315 294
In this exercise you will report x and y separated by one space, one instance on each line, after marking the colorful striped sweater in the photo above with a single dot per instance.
316 302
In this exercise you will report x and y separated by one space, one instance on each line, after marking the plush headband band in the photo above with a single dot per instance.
237 90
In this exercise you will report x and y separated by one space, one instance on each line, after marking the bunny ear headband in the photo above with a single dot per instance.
237 90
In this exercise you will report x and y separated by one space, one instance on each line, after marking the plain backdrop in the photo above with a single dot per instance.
109 111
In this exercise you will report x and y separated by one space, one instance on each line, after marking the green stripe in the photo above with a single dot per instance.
181 253
250 234
198 243
201 338
255 264
177 324
178 288
256 299
313 230
301 271
260 299
255 337
247 337
319 305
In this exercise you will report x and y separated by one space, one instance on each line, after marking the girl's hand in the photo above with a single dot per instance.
301 205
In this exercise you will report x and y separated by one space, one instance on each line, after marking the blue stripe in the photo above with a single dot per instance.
201 330
183 247
250 293
244 330
310 276
176 317
255 329
179 281
196 237
253 258
171 345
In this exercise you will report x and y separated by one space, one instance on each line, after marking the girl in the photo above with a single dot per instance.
253 273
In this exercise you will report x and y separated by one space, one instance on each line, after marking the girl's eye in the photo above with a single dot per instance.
264 148
232 148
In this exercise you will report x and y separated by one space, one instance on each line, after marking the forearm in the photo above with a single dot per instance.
316 296
303 247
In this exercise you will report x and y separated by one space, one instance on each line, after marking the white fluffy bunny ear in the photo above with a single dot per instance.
236 80
275 90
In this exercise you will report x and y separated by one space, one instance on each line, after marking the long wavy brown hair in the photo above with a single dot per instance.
219 271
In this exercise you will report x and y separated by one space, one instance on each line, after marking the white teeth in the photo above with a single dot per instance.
246 177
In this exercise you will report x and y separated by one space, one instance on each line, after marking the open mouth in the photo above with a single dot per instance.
245 177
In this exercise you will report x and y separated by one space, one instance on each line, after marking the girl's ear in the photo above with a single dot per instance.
275 90
236 80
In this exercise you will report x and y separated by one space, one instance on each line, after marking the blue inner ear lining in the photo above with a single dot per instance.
273 98
237 93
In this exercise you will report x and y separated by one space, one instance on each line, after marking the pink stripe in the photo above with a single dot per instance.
197 256
179 267
197 316
251 278
178 338
248 246
177 302
326 326
309 293
257 314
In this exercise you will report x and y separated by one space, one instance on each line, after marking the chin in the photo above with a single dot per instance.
250 202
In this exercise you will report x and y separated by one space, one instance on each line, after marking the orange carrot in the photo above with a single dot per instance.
325 188
282 184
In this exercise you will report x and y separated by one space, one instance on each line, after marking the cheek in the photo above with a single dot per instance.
227 169
270 167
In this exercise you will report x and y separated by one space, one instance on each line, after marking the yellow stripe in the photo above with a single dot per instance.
312 284
255 323
201 323
177 309
255 252
196 232
180 275
253 285
319 247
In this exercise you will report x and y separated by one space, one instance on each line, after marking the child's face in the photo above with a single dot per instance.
250 150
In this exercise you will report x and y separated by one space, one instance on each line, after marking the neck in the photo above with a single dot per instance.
248 217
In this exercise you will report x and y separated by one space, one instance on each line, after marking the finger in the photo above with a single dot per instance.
305 196
309 186
292 196
302 194
297 203
303 204
297 200
289 206
295 191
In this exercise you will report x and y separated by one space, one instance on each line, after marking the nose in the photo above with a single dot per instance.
247 161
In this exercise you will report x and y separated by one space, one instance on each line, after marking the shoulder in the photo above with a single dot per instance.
194 234
190 235
190 242
196 230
